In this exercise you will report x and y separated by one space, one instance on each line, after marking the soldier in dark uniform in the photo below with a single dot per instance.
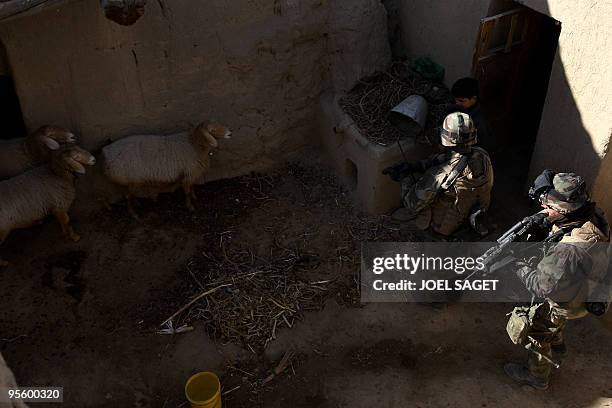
563 280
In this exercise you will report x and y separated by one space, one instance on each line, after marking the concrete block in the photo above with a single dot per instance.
359 162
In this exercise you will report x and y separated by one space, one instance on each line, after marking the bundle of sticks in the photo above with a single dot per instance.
370 101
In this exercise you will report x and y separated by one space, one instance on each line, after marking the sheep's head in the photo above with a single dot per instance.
209 132
72 159
52 137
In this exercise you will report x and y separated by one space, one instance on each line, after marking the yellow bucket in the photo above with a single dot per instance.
203 390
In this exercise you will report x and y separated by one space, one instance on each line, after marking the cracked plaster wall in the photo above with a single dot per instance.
259 66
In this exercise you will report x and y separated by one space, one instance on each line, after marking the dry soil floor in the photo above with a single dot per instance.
83 315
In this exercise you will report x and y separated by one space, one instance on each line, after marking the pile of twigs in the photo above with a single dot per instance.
257 295
248 287
370 101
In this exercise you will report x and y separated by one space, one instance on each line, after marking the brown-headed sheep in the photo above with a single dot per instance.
25 153
49 189
7 380
163 161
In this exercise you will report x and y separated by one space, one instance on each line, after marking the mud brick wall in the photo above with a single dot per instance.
259 66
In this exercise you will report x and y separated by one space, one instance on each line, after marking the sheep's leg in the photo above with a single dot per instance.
131 201
2 238
188 189
64 220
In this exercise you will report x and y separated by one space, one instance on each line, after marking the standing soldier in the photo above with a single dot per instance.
564 280
445 189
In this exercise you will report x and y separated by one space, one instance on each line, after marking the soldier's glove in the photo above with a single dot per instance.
530 262
401 170
540 221
596 308
523 269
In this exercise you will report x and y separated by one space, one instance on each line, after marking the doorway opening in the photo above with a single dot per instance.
11 118
513 61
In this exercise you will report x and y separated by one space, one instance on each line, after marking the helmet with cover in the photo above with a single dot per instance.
458 130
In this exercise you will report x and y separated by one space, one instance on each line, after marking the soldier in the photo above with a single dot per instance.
563 280
445 189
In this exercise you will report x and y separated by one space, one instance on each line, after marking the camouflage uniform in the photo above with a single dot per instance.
445 207
562 276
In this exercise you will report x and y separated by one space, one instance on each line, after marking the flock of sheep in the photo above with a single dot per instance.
37 173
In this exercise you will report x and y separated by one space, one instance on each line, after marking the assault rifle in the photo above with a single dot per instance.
490 259
518 231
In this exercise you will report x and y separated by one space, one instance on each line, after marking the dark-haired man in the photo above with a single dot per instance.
465 91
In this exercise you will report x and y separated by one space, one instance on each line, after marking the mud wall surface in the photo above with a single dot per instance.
444 30
258 66
576 122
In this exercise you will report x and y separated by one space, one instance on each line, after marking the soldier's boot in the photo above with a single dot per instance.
557 346
559 351
520 373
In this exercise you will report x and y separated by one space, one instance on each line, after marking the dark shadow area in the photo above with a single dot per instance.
11 118
528 93
514 71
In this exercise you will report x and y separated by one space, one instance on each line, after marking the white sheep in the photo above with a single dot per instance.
24 153
162 161
7 380
48 189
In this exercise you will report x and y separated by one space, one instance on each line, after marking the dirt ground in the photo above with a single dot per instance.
83 316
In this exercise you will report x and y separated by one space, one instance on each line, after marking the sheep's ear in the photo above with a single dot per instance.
209 138
76 166
50 143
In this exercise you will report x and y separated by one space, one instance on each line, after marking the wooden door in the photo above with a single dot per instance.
500 47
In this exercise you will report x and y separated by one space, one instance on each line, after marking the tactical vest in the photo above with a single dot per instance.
592 243
470 190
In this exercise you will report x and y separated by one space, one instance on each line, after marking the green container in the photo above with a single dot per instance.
428 69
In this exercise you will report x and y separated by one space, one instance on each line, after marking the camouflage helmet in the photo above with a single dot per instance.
458 129
569 193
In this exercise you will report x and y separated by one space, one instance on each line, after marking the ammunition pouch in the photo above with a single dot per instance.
541 319
518 325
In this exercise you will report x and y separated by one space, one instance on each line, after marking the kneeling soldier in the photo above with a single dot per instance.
445 189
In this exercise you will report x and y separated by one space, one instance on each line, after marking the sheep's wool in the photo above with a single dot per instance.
7 380
154 160
31 196
14 158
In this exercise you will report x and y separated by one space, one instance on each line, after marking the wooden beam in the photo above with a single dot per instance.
510 38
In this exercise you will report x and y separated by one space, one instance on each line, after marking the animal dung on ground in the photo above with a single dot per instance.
176 160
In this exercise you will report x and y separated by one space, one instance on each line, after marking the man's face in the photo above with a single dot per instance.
466 103
552 214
